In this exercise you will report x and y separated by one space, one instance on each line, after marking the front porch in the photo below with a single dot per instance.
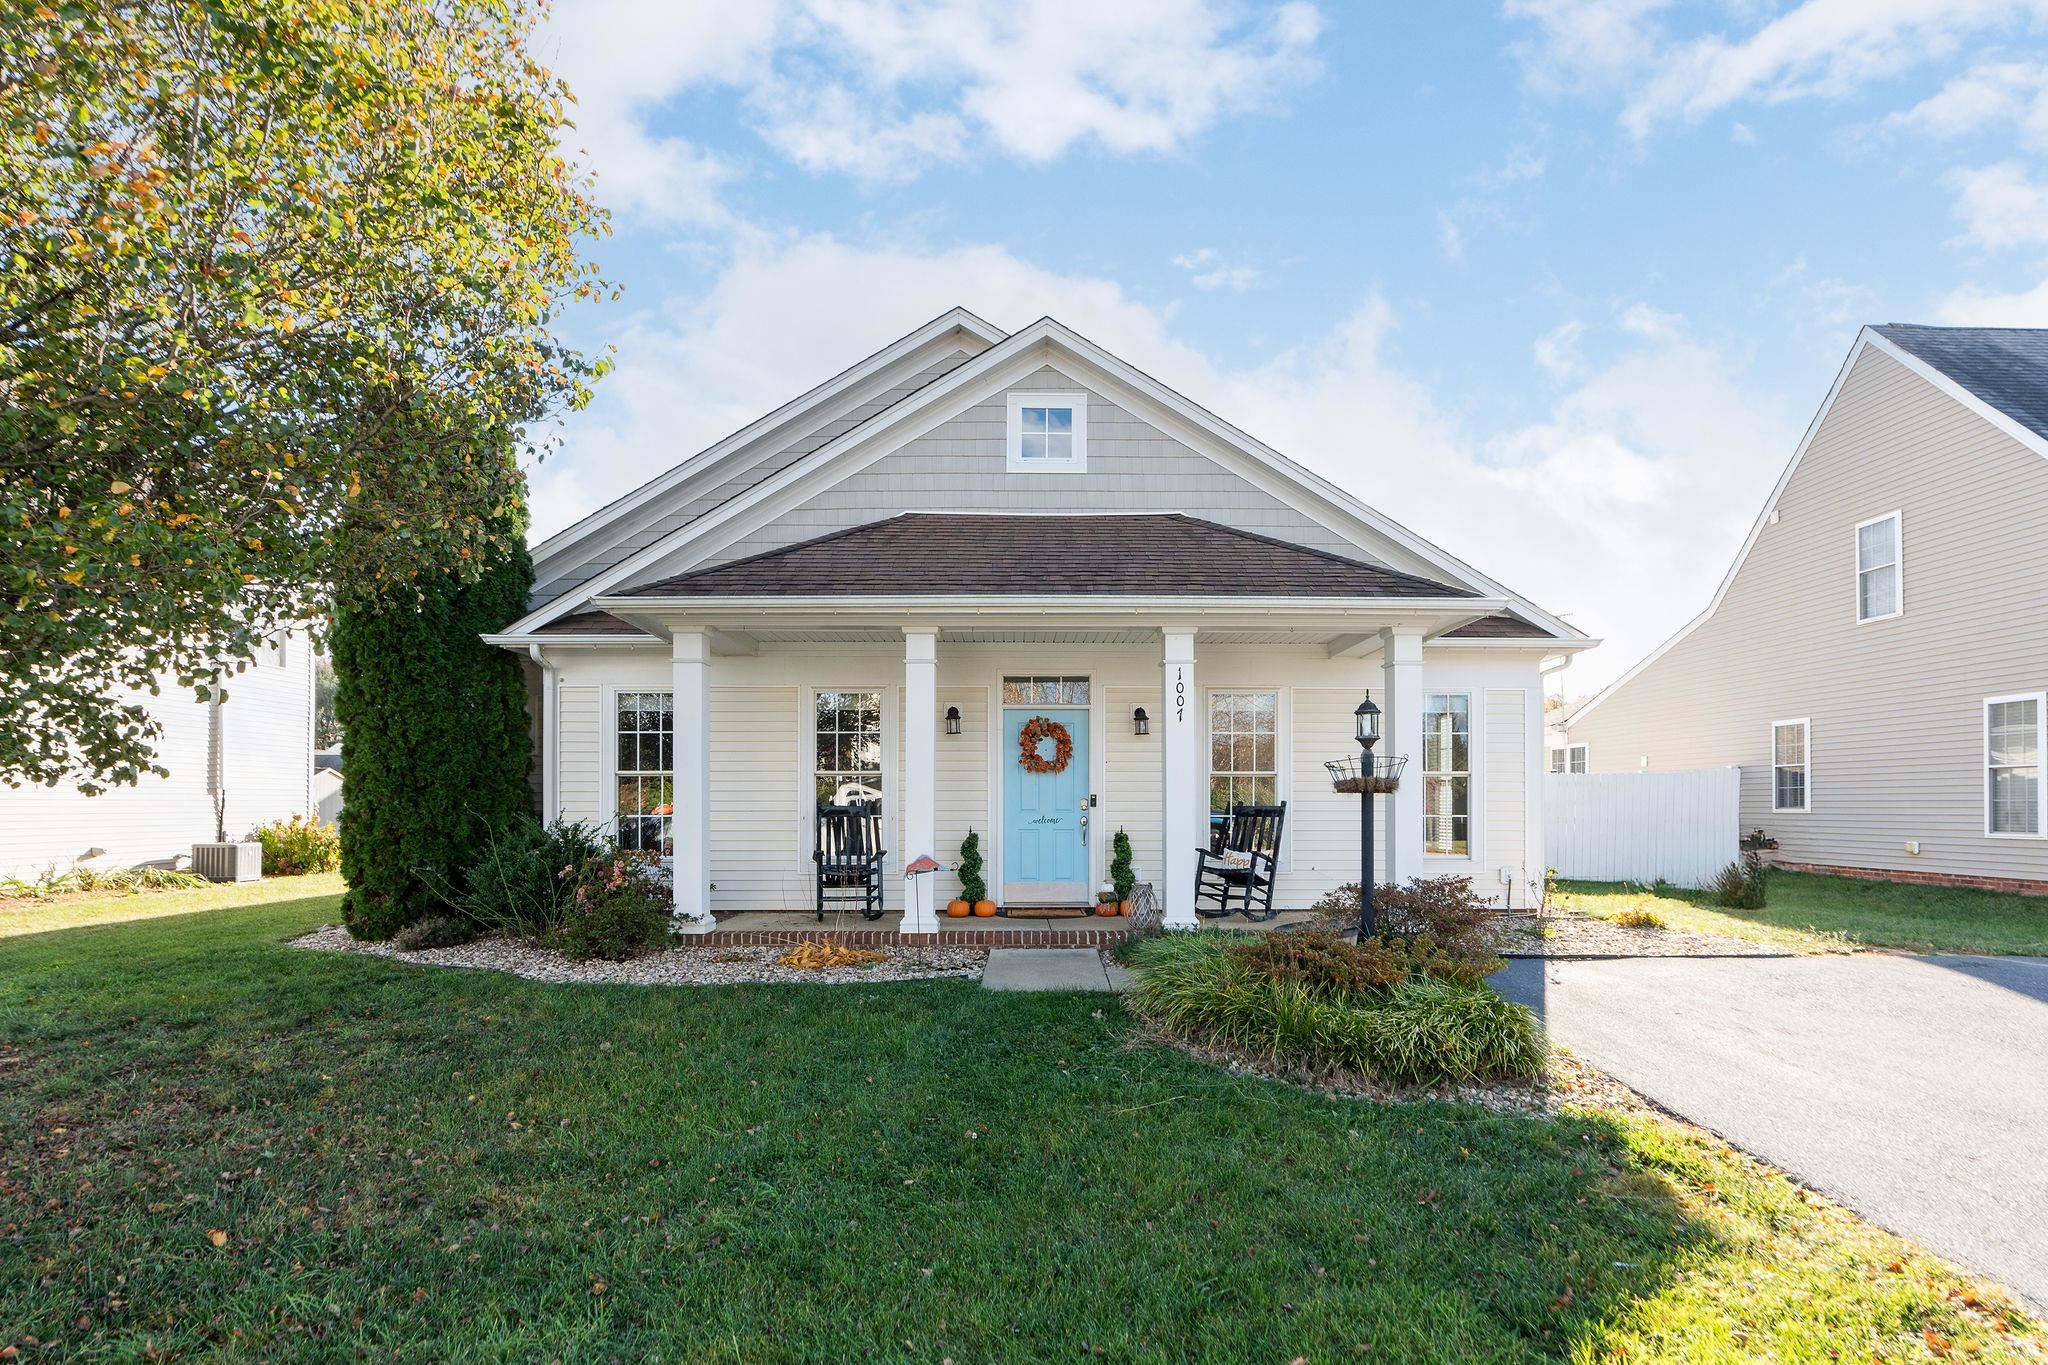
754 928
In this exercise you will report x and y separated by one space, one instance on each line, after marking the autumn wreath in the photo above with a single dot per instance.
1042 728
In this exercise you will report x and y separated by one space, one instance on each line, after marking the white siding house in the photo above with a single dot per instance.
1876 658
873 588
256 748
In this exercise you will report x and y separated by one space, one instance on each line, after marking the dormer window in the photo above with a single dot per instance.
1048 433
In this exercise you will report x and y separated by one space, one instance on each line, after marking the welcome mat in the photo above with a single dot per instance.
1048 912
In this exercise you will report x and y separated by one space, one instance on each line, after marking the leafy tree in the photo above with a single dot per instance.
438 741
223 223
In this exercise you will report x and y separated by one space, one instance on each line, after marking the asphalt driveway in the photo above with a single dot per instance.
1912 1089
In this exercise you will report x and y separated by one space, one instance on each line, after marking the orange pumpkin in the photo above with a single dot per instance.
985 909
1105 908
958 909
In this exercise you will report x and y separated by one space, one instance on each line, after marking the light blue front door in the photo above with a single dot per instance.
1045 815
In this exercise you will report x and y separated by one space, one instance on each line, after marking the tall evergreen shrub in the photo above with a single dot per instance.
438 746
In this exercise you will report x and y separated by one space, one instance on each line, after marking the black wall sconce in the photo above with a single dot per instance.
952 720
1141 724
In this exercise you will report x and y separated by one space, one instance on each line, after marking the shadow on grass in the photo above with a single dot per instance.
286 1152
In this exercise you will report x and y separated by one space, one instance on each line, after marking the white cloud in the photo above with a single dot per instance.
1989 94
1975 306
883 89
1742 134
1819 49
1207 270
1576 509
1450 238
624 59
2001 205
1557 350
1642 320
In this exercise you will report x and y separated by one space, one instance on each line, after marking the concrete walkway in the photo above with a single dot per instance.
1051 969
1912 1089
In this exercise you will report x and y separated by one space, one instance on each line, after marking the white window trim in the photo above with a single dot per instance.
608 758
1283 754
1077 463
2040 700
1474 765
1805 725
1898 566
1585 759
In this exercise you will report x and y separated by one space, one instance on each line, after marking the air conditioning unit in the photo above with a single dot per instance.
228 862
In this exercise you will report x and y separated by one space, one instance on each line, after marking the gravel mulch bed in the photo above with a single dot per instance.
1572 935
669 967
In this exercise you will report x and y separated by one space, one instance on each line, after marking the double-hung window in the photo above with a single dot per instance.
1048 433
645 771
2013 764
1568 758
1447 774
1789 788
1878 586
847 742
1244 757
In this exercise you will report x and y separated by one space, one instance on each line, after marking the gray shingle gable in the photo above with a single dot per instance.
2007 367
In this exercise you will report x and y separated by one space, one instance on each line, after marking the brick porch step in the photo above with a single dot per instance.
892 938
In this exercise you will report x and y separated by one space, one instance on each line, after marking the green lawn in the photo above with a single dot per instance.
212 1144
1811 913
32 917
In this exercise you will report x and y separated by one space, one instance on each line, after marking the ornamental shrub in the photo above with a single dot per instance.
1740 885
973 881
298 845
1121 876
618 910
438 744
1454 923
525 876
435 931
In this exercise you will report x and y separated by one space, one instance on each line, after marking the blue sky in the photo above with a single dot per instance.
1556 282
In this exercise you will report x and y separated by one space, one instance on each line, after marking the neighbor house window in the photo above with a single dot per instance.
1877 568
2012 761
1244 749
1788 765
1447 774
847 729
1569 758
646 771
1048 433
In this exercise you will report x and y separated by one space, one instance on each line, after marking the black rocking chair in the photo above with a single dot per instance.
1245 865
849 856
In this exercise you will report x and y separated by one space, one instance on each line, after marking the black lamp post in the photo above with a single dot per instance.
1367 720
1367 775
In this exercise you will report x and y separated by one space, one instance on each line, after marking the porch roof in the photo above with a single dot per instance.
954 554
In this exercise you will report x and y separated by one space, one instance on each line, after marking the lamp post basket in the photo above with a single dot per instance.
1366 775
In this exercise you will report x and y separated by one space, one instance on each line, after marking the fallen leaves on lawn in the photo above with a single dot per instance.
217 1237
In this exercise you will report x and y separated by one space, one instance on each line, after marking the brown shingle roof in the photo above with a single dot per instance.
1505 626
588 623
944 554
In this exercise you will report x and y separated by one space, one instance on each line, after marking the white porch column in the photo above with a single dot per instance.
1401 657
920 772
1184 810
691 798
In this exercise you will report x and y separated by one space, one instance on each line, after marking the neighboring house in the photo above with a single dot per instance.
255 748
327 795
870 591
1876 659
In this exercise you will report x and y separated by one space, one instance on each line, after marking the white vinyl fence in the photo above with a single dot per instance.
1680 828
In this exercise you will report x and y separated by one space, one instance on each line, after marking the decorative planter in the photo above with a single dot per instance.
230 862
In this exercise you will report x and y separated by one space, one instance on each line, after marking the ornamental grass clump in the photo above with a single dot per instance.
1327 1004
